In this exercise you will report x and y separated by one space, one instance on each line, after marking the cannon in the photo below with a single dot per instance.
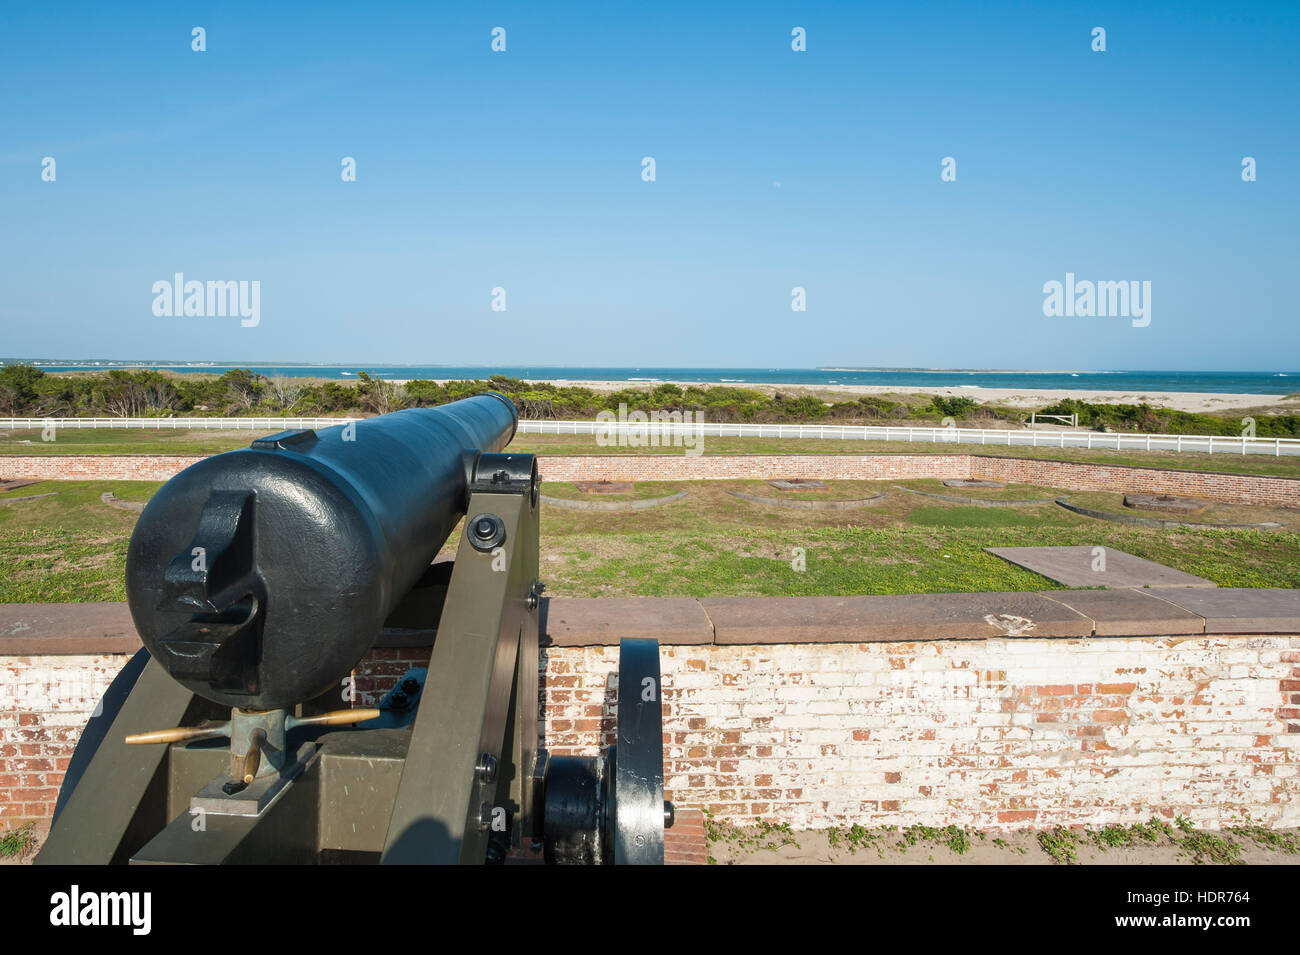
259 578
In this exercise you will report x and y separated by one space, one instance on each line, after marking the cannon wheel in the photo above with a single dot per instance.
610 809
634 776
110 704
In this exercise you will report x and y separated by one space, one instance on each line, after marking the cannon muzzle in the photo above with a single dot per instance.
258 578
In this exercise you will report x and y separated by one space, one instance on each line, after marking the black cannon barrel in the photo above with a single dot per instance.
259 577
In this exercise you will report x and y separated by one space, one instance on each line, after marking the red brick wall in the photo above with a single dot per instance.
754 467
1232 488
44 705
94 467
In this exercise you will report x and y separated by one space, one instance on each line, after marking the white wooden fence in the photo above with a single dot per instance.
664 432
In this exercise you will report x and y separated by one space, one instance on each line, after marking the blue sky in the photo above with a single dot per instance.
774 169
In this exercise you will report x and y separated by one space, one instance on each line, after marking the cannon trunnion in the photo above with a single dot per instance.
259 578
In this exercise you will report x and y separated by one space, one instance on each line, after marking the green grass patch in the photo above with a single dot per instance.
972 516
125 441
717 561
70 547
18 841
1061 844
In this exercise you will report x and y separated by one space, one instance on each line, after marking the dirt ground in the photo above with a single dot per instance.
896 847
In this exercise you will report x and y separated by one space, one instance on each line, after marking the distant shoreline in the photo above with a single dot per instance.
1021 398
1235 389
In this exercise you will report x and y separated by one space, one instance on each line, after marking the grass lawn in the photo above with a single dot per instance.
713 544
72 547
125 441
1189 461
148 441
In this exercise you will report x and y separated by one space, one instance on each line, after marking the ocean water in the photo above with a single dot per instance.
1261 383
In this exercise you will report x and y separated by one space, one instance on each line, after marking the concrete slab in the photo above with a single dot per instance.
1129 613
766 620
1073 567
604 621
1240 610
37 629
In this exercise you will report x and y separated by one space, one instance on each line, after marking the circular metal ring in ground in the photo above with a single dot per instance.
1167 503
808 505
976 501
29 497
1156 522
112 500
641 505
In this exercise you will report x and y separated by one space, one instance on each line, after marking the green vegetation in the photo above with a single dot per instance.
26 391
713 544
954 837
1145 418
72 546
31 392
18 841
1061 844
1203 847
1197 846
1286 842
855 837
762 835
1153 841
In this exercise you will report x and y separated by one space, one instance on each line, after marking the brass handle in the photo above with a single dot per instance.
181 733
334 718
211 730
253 758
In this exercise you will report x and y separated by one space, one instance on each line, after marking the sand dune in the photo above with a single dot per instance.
1011 397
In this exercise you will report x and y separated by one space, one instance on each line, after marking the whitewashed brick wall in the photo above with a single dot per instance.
997 734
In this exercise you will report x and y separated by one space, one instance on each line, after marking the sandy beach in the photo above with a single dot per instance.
1012 397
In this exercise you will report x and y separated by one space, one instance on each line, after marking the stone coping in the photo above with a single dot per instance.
93 628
